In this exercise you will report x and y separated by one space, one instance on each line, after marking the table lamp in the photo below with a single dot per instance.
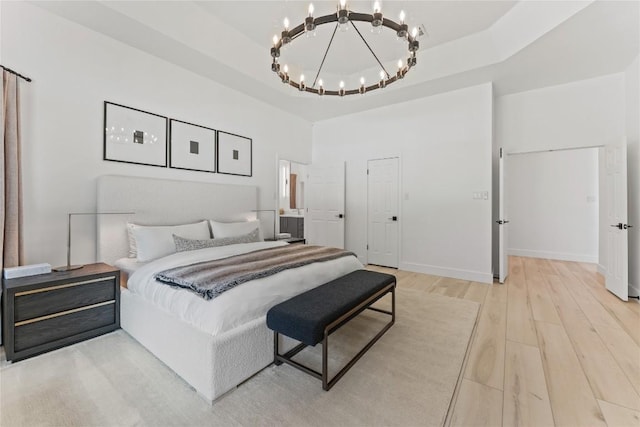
70 267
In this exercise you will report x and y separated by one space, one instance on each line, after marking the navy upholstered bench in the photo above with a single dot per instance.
314 315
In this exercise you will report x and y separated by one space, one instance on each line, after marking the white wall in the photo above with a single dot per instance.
632 90
74 70
577 114
444 145
552 201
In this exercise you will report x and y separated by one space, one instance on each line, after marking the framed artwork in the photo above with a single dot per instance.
234 154
134 136
192 147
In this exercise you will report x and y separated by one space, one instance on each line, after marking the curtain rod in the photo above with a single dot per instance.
16 73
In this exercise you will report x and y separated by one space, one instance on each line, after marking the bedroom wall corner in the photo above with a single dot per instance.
74 70
444 230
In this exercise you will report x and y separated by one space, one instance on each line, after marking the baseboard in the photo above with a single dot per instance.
602 270
560 256
634 291
474 276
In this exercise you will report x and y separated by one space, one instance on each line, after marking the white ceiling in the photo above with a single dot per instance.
517 45
443 20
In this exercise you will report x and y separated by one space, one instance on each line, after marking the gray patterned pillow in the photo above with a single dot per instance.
183 244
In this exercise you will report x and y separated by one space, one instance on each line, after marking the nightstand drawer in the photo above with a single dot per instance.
39 332
55 299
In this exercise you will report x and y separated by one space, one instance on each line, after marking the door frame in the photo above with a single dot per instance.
400 213
277 191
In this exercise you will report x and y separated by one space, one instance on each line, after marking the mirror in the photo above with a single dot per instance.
291 186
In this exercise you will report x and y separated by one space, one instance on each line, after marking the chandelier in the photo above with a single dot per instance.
343 18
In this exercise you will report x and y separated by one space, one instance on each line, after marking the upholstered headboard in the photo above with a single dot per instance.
163 202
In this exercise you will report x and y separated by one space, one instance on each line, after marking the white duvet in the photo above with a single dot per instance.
241 304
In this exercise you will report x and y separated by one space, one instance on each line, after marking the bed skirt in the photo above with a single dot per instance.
212 365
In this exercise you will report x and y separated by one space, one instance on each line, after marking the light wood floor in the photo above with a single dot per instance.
552 347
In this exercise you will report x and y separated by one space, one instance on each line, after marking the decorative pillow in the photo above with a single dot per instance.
183 244
154 242
232 229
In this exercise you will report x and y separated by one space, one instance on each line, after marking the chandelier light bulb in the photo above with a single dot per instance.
414 32
275 40
301 77
400 64
310 9
382 74
286 68
362 89
341 84
402 16
286 24
376 7
343 4
320 83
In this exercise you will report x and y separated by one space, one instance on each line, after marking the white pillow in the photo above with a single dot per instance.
233 229
154 242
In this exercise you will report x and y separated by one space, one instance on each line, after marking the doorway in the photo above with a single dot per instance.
552 199
292 179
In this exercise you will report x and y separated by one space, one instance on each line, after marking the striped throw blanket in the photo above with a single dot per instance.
211 278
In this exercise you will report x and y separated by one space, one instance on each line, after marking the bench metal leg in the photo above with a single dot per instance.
276 351
326 383
334 326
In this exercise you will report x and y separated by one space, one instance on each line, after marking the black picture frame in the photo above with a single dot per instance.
232 148
141 140
197 143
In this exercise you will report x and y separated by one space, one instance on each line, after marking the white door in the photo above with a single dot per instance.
324 222
617 279
503 223
383 211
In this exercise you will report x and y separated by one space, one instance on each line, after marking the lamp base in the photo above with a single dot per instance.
68 268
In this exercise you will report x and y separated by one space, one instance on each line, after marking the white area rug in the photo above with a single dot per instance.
407 378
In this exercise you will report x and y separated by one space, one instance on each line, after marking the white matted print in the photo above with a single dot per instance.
234 154
192 147
134 136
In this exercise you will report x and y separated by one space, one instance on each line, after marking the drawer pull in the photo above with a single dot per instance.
62 313
68 285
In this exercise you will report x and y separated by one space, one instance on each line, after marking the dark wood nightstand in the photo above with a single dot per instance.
49 311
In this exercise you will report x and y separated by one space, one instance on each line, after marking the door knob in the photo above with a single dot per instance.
393 218
339 216
619 226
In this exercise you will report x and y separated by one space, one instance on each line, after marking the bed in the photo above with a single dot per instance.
213 345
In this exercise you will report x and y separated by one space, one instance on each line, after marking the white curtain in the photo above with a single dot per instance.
11 249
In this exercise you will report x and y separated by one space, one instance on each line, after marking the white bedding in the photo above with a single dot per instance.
129 265
241 304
